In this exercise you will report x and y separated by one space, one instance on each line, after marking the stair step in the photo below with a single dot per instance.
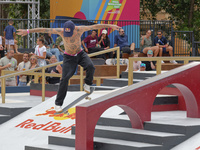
139 75
48 147
105 88
106 143
118 82
4 118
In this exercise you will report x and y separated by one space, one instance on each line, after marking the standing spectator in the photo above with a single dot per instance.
9 35
92 44
121 40
104 42
1 47
24 65
136 64
50 45
150 65
164 47
9 63
146 44
40 52
16 47
53 69
60 46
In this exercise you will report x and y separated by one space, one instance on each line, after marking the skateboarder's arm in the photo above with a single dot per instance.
98 26
24 32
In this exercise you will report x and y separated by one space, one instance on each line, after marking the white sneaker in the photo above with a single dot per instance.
162 62
173 62
86 88
58 108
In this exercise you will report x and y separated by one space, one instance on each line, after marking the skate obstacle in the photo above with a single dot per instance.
137 101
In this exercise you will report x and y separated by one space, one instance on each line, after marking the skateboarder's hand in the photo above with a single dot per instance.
22 32
115 27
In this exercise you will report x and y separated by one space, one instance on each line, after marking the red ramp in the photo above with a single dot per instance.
137 101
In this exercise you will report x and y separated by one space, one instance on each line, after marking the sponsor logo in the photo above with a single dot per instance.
114 4
67 29
50 113
198 148
50 126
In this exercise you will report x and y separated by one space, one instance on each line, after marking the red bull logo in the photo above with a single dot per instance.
50 113
67 30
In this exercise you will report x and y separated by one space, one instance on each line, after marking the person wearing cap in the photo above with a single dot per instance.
164 47
121 40
73 55
142 67
150 65
104 41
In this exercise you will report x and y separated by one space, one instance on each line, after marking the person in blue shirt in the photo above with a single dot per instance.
164 47
121 40
9 35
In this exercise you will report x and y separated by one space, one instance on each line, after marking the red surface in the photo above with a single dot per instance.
39 93
137 102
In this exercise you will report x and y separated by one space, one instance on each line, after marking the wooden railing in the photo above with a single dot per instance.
6 74
158 63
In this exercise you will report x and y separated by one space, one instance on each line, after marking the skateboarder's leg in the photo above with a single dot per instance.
88 65
68 69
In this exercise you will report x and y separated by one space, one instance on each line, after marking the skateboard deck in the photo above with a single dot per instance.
86 96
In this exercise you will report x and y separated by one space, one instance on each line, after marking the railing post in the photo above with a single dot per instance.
158 67
43 84
118 64
130 71
3 87
81 78
186 61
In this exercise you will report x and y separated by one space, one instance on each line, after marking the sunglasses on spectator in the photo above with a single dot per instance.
32 59
159 34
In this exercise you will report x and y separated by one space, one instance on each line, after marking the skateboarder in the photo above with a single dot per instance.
73 55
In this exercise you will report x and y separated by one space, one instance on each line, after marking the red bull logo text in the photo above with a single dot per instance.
67 30
50 126
50 113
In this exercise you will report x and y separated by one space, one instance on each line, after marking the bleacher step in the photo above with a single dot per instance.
48 147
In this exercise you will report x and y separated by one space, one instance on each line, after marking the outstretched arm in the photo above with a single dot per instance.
98 26
24 32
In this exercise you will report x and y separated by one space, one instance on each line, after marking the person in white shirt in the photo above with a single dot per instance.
40 52
136 64
24 65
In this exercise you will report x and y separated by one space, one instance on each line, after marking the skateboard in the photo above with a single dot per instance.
114 61
86 96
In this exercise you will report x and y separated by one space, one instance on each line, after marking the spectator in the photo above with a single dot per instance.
53 69
33 64
40 52
142 67
60 45
136 64
9 63
9 35
164 47
146 44
104 42
24 65
92 44
49 43
1 47
121 40
16 47
150 65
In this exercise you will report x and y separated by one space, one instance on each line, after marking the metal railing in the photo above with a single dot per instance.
43 74
158 63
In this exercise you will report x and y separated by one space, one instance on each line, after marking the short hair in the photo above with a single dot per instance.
10 50
160 31
26 53
41 39
10 21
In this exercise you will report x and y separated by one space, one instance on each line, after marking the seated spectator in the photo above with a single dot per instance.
150 65
142 67
104 42
40 52
9 63
33 64
49 43
146 44
92 44
1 47
53 69
164 47
121 40
136 64
24 65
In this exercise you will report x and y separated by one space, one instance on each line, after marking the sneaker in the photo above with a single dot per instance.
162 62
58 109
86 88
173 62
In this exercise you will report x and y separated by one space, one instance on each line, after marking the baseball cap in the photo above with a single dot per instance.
104 32
150 52
143 65
68 28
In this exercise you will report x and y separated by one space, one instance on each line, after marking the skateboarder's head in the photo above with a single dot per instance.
69 27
